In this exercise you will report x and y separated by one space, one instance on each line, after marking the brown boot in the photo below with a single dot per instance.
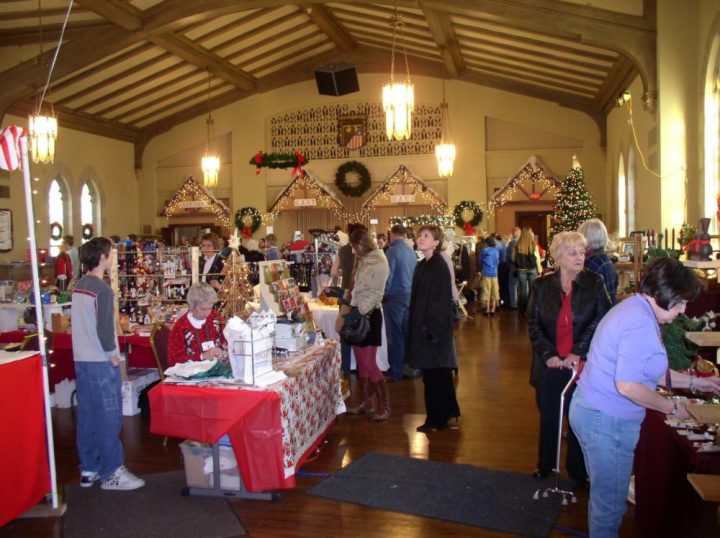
366 406
383 398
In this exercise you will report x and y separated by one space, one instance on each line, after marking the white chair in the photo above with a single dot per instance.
461 297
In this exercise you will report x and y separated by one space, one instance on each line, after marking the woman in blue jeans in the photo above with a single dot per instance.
626 362
525 260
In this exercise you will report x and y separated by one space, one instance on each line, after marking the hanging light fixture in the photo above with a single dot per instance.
398 97
210 164
43 128
445 151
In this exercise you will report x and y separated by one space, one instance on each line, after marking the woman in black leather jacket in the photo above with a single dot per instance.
563 311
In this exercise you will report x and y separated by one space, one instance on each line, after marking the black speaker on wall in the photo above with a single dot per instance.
336 79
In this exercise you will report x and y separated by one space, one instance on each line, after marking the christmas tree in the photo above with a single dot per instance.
573 203
235 291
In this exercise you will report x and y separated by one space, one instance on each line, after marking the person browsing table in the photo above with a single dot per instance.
626 362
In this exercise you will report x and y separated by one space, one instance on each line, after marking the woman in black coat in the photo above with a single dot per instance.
431 347
564 309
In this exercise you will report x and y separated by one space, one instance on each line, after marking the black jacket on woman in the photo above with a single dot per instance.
589 303
431 314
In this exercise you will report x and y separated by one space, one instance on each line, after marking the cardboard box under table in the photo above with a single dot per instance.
272 430
137 380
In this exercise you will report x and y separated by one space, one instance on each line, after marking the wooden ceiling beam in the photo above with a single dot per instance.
620 78
70 119
124 15
202 58
444 35
327 22
18 37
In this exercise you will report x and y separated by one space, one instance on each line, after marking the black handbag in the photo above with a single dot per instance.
356 333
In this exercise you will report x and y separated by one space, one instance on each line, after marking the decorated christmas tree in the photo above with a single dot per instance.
573 203
236 290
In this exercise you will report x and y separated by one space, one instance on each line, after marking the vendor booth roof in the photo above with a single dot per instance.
532 175
308 186
190 195
403 176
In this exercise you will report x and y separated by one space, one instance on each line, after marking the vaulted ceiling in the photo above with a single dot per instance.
132 69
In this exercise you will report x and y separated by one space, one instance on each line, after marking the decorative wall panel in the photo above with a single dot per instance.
314 131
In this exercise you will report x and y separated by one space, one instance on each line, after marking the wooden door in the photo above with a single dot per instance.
537 221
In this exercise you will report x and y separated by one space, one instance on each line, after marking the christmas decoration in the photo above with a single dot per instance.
88 231
402 182
532 181
573 204
363 179
680 350
280 160
235 291
247 220
467 214
192 195
56 231
421 220
306 187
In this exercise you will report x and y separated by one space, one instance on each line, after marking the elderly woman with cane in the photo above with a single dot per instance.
563 311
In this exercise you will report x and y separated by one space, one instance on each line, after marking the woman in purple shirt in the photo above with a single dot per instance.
626 362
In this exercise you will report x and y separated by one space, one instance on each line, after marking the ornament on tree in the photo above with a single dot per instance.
573 203
235 291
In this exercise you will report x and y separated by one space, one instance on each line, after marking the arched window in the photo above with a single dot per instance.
622 199
90 207
631 206
712 133
58 211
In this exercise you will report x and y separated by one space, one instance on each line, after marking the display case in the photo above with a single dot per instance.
151 281
629 264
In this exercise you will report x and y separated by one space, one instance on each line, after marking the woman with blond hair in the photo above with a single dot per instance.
526 258
564 309
368 287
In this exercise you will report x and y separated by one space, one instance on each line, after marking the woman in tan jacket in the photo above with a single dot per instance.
368 287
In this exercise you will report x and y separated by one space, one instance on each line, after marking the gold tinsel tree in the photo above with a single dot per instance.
235 291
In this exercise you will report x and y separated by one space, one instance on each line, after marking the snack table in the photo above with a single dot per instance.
664 500
272 430
24 468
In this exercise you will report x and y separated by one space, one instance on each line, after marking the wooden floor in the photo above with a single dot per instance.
499 430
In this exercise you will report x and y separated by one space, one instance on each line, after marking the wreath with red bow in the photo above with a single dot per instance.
241 218
477 215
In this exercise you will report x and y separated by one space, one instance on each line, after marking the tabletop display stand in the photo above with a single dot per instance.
325 250
218 491
630 272
252 358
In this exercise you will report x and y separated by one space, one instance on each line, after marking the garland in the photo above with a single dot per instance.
88 231
56 231
279 160
350 190
437 220
240 217
467 226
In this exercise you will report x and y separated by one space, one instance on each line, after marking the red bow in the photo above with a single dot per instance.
690 245
469 229
297 171
258 162
247 232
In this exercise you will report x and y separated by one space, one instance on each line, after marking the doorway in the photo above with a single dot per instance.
538 222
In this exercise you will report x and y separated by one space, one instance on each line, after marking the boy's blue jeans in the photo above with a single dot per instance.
99 417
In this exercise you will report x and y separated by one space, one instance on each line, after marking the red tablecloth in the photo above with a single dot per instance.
11 337
24 472
271 430
139 351
663 496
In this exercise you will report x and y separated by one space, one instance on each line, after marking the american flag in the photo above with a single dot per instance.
356 141
10 147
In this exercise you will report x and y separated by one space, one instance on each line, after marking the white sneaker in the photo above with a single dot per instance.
88 478
122 480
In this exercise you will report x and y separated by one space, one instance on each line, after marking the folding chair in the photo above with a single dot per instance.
460 299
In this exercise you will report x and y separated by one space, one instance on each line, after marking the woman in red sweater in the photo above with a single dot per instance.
198 334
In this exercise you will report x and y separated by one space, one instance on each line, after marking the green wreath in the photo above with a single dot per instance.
56 231
461 207
240 217
88 231
352 190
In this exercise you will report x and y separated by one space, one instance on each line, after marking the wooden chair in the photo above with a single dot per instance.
461 287
159 337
